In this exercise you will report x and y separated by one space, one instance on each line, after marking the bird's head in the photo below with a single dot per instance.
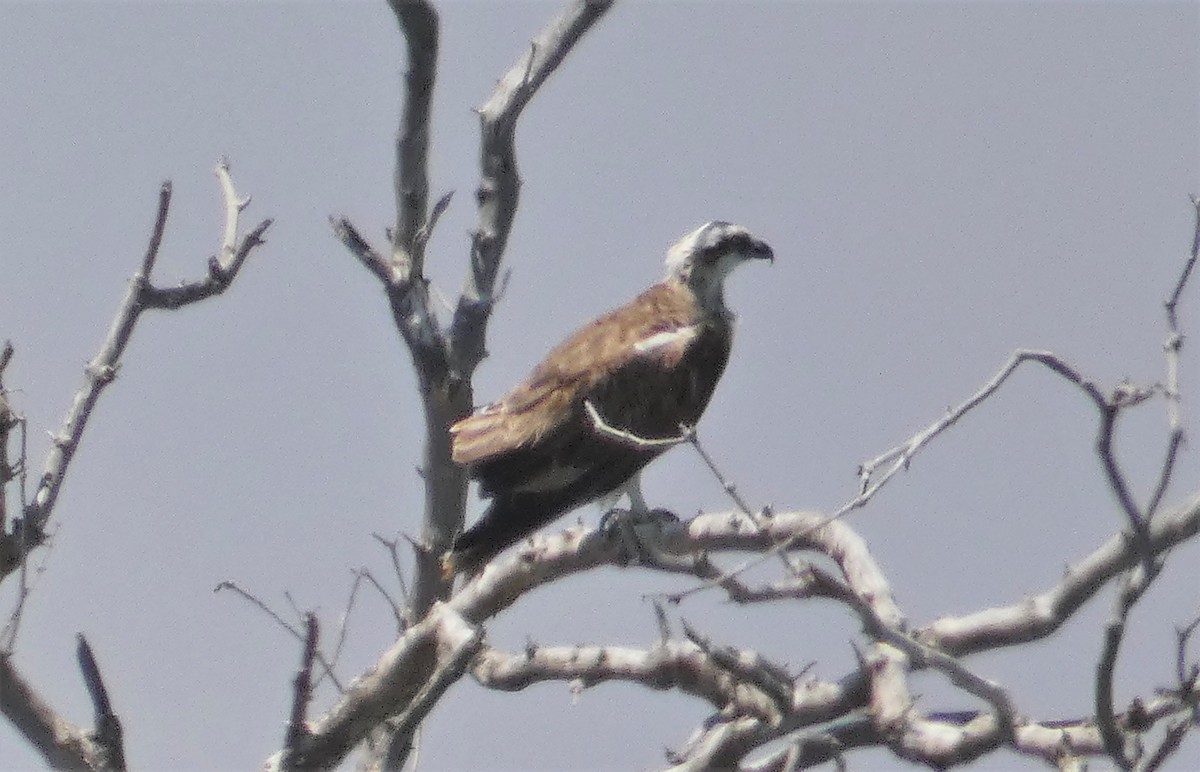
703 258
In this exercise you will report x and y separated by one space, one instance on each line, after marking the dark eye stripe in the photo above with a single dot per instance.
736 242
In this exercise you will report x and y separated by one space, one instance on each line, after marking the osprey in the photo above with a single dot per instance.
583 423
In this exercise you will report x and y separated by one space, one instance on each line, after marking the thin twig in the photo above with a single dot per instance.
900 456
1171 348
344 622
397 610
729 487
426 230
1172 741
1185 675
756 516
1109 412
391 545
295 633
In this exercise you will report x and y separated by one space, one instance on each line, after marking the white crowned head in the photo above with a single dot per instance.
703 258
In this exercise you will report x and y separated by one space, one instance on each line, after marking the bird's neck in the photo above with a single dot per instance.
709 294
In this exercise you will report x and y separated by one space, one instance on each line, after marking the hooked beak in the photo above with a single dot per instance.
760 250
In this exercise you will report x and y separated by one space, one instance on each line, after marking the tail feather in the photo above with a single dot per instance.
508 520
477 436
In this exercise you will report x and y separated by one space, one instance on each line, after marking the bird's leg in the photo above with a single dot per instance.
633 526
637 500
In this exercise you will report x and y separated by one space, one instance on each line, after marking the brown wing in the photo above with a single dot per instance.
545 399
646 367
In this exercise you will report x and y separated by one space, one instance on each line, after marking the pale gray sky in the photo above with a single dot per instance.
942 183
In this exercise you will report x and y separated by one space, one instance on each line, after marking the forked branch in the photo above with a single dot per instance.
500 185
29 531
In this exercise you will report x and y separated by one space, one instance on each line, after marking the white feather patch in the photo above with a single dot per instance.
678 337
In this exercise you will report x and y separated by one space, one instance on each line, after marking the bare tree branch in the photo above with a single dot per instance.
458 652
682 665
326 665
103 368
107 740
1133 585
1171 347
8 421
1040 615
544 560
444 361
899 457
499 188
412 674
297 729
419 23
62 744
222 269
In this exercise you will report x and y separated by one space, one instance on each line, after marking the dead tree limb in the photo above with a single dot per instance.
445 359
108 737
64 745
28 531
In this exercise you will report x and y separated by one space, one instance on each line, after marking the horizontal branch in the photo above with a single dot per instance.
670 664
1042 614
546 558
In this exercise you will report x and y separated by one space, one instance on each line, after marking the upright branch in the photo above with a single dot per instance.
61 743
402 273
1172 346
107 737
1137 580
419 23
8 421
29 530
297 728
500 185
444 360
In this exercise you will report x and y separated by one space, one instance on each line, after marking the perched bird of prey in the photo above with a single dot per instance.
582 424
